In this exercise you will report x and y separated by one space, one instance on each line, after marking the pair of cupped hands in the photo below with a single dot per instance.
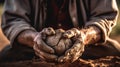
59 45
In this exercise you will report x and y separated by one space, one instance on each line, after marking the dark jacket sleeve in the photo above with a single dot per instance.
103 14
16 18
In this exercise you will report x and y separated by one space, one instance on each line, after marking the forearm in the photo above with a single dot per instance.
27 37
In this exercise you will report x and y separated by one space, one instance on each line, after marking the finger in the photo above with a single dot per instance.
66 57
72 54
76 56
48 31
36 49
71 33
75 48
69 58
46 56
38 36
43 46
68 34
58 31
79 49
62 59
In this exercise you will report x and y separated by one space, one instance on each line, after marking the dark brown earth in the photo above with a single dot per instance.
109 61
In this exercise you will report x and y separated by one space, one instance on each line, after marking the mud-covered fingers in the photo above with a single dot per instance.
64 58
38 36
36 49
48 31
48 57
67 56
42 45
68 34
70 57
74 49
59 31
76 56
79 49
71 33
45 56
72 54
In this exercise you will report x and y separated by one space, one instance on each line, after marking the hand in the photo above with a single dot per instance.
44 51
80 38
26 37
77 49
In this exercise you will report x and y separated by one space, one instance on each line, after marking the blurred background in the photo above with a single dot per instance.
115 33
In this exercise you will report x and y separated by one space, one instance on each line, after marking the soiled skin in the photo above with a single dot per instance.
59 43
50 44
64 46
80 38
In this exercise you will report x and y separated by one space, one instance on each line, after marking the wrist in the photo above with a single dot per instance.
92 35
27 37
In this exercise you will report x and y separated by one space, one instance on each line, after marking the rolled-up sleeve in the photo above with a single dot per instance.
16 18
103 14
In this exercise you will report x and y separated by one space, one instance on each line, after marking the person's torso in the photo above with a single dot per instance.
58 15
75 14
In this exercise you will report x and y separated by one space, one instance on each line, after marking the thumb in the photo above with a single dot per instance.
71 33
